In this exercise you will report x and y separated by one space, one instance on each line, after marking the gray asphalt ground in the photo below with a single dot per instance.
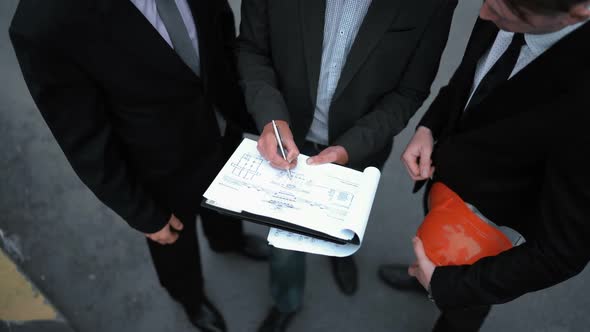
96 270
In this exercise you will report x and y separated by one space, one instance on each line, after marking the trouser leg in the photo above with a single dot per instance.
223 232
178 265
287 279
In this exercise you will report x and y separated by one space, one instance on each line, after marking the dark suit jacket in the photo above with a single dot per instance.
520 157
136 124
386 78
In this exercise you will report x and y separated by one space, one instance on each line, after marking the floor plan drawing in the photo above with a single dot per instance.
319 197
248 166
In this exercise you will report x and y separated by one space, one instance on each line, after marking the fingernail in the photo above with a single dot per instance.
309 161
424 173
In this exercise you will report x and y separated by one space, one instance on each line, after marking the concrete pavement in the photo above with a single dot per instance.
97 272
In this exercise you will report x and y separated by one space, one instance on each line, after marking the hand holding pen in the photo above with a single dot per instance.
280 144
269 148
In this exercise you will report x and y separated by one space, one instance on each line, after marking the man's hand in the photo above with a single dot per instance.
267 146
168 234
423 268
417 156
332 154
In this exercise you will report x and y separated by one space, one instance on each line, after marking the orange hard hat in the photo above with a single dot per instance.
453 235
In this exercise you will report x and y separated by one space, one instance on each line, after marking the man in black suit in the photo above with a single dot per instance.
511 140
129 90
341 79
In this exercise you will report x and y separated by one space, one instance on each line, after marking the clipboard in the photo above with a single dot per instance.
280 224
321 209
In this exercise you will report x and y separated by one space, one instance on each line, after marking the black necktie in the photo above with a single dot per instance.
178 33
499 73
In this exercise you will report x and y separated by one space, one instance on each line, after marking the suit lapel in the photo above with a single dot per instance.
482 38
199 10
312 25
484 34
551 74
379 17
129 29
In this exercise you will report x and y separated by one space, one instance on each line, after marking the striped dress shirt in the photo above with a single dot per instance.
343 20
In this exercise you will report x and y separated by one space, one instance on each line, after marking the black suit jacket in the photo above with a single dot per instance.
520 157
386 77
136 124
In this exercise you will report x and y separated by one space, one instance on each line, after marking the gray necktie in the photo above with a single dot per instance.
178 33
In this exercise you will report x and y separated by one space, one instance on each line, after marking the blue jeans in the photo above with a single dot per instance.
287 279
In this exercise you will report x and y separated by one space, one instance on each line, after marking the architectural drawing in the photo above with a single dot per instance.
247 166
324 198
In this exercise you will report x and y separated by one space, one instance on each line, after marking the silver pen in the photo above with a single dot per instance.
279 140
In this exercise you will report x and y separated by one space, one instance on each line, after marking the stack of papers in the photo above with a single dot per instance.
322 209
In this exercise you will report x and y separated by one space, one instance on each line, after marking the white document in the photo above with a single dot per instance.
331 199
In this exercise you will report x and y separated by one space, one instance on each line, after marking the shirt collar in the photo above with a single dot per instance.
541 43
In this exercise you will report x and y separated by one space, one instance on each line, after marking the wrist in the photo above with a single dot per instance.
343 160
280 123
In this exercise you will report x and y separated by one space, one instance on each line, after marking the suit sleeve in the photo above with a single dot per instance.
374 131
439 112
228 96
557 250
259 80
74 110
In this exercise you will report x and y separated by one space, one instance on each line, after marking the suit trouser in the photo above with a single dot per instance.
287 279
178 265
459 320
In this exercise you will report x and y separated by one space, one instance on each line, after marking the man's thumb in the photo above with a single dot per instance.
176 224
419 249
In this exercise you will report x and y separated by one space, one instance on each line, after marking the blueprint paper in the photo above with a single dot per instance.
332 199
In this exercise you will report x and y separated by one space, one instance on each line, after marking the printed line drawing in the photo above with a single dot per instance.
248 166
284 194
329 199
333 194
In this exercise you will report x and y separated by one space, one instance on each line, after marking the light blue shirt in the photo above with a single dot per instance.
343 20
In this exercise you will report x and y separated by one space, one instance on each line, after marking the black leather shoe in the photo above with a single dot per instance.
396 276
345 272
255 247
206 317
276 321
